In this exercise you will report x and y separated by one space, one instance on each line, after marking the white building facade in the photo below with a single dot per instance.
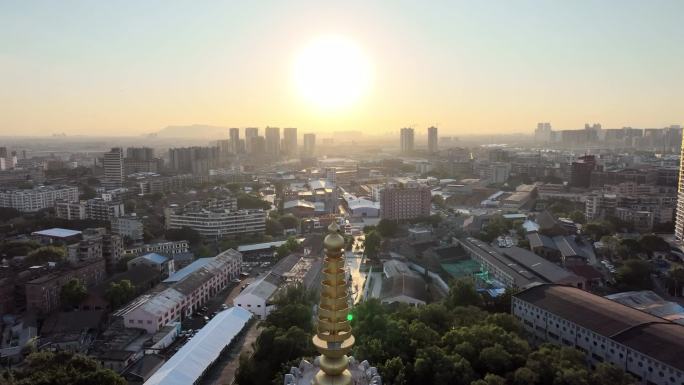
647 347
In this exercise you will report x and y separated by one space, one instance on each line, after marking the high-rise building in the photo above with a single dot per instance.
113 163
580 171
4 163
38 198
432 139
679 219
235 140
258 145
250 134
405 199
290 140
195 160
309 144
543 133
273 142
331 175
406 140
140 153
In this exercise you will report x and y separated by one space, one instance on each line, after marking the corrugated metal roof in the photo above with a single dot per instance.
57 233
192 360
156 258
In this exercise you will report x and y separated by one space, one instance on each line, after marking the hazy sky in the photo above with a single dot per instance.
133 67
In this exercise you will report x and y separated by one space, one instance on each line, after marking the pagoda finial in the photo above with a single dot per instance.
334 337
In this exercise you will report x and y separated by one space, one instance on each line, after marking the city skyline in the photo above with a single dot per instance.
467 68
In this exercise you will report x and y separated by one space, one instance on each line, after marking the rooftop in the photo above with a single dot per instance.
57 232
193 359
648 334
155 258
590 311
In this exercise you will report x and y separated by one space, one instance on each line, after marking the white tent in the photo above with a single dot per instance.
192 360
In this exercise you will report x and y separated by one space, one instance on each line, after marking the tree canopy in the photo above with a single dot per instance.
73 293
185 233
119 293
249 201
634 274
387 228
47 368
371 244
46 254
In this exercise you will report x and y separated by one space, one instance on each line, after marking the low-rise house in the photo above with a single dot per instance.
159 262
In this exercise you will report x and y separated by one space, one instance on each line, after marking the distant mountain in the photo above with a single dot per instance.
197 131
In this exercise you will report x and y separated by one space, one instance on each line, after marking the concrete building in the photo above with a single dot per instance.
250 134
113 163
258 296
168 249
309 145
581 170
37 198
543 133
189 289
515 267
679 218
70 210
43 294
99 209
641 210
404 199
194 160
290 144
234 140
406 141
433 140
218 223
647 347
130 227
400 284
273 142
164 265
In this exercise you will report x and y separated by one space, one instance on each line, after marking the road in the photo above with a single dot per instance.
353 260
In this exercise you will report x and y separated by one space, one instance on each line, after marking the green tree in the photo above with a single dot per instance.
609 374
634 274
273 228
577 216
675 278
490 379
46 254
63 368
204 251
393 372
371 243
652 243
73 293
387 228
119 293
597 230
462 293
289 221
248 201
185 233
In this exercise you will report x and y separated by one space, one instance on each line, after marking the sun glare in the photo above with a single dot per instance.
332 73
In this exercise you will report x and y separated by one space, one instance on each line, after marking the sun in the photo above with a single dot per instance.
332 73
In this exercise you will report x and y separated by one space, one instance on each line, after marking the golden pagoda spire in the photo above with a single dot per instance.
334 337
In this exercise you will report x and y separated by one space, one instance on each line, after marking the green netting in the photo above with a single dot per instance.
462 268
